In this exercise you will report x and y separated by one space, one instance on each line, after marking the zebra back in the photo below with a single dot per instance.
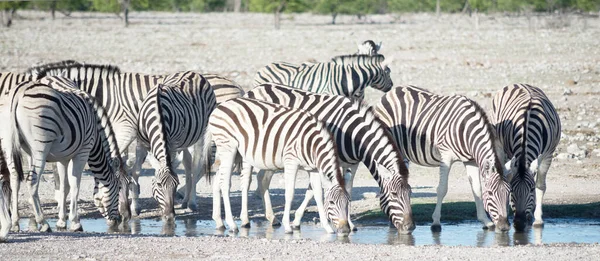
9 80
225 89
346 75
351 122
527 124
267 131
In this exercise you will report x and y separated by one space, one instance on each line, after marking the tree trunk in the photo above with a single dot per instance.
53 9
333 16
125 8
7 16
278 14
437 7
237 5
467 7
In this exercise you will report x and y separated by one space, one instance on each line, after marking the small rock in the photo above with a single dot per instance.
563 156
567 91
596 152
368 195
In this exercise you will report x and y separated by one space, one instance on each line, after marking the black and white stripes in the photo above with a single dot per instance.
172 118
434 130
359 137
270 136
53 121
346 75
529 129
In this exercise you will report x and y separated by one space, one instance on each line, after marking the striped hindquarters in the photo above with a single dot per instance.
225 89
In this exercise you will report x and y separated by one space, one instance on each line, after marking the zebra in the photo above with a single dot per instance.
5 192
434 130
122 95
172 118
369 47
346 75
529 130
359 137
51 120
271 136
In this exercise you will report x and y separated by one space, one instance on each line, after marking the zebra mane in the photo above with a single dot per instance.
369 113
51 66
522 167
492 131
357 58
44 70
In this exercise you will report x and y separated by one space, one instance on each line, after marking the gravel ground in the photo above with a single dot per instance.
448 55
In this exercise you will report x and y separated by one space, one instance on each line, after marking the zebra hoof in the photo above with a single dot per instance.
76 228
45 228
276 223
537 224
246 225
436 228
33 225
220 228
296 227
61 225
354 229
15 228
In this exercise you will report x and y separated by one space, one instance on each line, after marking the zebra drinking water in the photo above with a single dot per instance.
53 121
172 118
529 129
271 136
346 75
434 130
359 137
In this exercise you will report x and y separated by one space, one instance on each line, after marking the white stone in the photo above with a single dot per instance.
567 91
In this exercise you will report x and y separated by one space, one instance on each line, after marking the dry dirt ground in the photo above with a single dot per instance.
451 54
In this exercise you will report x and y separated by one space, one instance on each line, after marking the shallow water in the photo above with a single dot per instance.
466 234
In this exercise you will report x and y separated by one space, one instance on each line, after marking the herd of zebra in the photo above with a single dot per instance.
308 117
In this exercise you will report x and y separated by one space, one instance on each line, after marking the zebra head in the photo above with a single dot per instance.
369 47
164 187
124 182
495 193
522 188
336 205
395 200
382 79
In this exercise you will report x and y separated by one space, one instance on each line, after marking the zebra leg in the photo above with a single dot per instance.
540 190
225 188
75 170
15 183
264 178
290 172
307 197
61 178
189 199
4 215
38 165
349 182
140 156
245 178
317 188
227 157
442 189
475 180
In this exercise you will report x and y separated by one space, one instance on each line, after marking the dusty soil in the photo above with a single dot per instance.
451 54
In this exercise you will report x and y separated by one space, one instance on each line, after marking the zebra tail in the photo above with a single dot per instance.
15 138
202 159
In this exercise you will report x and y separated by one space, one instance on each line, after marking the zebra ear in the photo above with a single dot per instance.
509 167
383 172
378 46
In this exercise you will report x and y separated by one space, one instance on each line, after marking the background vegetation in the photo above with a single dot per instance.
332 7
318 6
